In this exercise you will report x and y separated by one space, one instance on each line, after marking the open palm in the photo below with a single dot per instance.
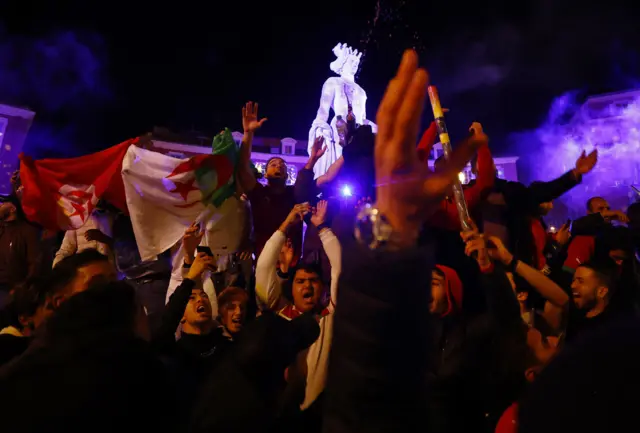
250 121
406 191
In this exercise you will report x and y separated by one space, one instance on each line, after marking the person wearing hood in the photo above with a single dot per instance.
471 377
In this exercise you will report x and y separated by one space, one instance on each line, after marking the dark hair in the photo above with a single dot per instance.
66 270
591 200
25 300
287 286
633 212
103 306
230 294
275 157
605 270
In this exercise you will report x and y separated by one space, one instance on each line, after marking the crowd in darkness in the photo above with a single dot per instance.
388 315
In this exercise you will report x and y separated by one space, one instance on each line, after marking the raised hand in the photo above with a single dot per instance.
191 239
318 149
250 121
406 190
286 256
476 128
585 163
295 216
203 262
610 215
499 251
319 213
475 245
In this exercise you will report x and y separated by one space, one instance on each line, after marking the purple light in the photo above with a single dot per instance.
346 191
609 124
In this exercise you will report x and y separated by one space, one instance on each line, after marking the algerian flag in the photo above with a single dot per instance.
165 194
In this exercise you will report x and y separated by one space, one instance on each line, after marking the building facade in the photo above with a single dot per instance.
294 152
14 126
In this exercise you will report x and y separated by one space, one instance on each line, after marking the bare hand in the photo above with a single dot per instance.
475 245
476 128
499 252
362 202
617 215
585 163
318 149
203 262
297 214
286 256
250 121
97 236
319 213
406 190
191 239
563 235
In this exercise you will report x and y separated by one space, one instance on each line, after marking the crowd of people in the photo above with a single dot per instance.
388 315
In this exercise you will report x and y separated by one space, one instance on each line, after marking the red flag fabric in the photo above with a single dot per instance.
60 194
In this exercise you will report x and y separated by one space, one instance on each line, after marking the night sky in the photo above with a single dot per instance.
98 73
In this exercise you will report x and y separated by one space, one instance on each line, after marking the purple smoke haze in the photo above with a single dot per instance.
62 77
609 124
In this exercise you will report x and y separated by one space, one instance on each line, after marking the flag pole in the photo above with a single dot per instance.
458 195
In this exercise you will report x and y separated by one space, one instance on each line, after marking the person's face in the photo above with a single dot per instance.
351 65
276 169
439 302
233 315
586 288
545 208
198 311
7 211
92 273
306 290
599 205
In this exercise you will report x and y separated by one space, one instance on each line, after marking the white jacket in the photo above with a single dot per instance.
74 241
269 292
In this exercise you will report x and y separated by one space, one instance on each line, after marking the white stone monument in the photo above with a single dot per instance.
338 93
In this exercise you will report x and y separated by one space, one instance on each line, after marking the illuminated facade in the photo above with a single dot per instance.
14 126
611 123
506 167
338 94
267 148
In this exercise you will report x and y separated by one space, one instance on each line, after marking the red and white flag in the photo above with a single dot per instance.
60 194
164 196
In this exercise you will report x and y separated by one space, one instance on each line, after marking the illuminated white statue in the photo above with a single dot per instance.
338 93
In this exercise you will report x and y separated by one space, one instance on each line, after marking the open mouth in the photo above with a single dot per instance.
236 320
307 295
201 309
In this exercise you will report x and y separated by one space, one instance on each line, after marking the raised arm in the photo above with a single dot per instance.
547 191
250 124
331 247
557 299
306 187
268 287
